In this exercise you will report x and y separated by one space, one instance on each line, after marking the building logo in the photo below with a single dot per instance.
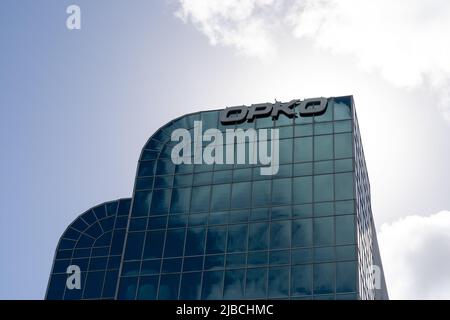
307 108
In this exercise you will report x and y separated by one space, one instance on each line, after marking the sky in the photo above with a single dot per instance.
76 107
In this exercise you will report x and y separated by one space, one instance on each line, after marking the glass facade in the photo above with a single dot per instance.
224 231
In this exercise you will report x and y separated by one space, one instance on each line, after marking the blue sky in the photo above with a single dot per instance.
77 106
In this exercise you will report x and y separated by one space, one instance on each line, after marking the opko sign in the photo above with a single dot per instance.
306 108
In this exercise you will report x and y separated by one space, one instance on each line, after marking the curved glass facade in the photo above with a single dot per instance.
226 231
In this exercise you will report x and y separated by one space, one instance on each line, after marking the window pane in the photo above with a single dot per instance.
234 284
324 167
212 285
301 280
241 195
202 178
216 240
261 193
193 263
237 238
285 151
342 109
180 200
343 145
94 284
160 202
301 256
281 191
168 287
323 188
195 241
302 190
141 203
220 198
174 243
343 165
323 147
303 169
323 231
323 128
256 283
345 229
154 244
345 207
135 242
346 275
236 260
344 186
342 126
302 233
190 286
127 288
323 209
279 257
303 149
324 254
222 176
148 287
200 199
324 278
255 259
184 180
258 236
280 235
151 266
278 282
303 130
214 262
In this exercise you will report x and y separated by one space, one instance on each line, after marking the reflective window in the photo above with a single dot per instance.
212 285
234 284
324 278
258 236
200 199
241 195
256 283
301 280
160 201
190 286
323 188
345 229
281 191
261 193
343 145
342 108
220 198
302 256
303 149
195 241
127 288
141 203
180 200
148 288
237 238
285 151
280 234
154 244
323 147
278 282
168 287
174 243
216 240
302 190
302 233
346 274
344 186
323 231
135 242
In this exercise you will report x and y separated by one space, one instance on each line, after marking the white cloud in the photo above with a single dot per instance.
415 252
406 41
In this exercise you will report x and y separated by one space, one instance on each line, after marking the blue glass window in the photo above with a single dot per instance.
345 229
174 243
302 233
278 282
324 278
241 195
212 285
237 238
323 147
195 241
323 231
200 199
154 244
127 288
160 202
258 236
301 280
180 200
282 191
220 198
168 286
280 234
216 240
190 286
343 145
303 149
256 283
261 193
323 188
346 275
148 287
135 243
234 284
344 186
302 192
